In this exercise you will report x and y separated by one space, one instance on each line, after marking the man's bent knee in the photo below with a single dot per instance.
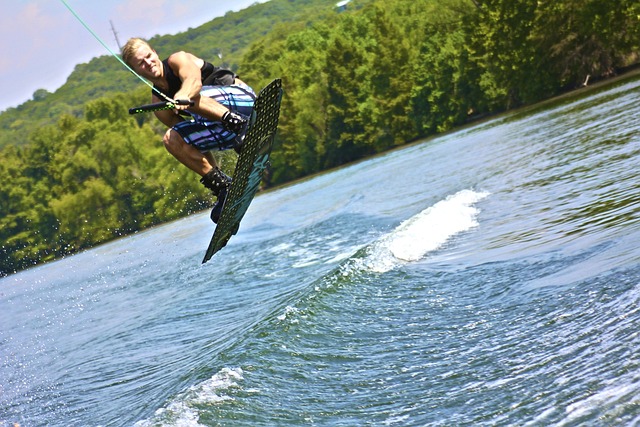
173 142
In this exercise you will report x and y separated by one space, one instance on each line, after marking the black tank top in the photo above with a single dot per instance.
210 74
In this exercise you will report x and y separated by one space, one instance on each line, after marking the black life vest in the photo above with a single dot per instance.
210 74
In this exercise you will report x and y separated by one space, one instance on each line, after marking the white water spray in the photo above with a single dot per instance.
425 232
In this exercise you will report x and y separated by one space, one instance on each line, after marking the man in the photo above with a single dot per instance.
218 117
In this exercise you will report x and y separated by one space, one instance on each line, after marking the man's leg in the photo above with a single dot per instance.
188 155
203 164
208 108
213 103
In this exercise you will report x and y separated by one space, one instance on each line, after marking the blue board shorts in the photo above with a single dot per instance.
207 135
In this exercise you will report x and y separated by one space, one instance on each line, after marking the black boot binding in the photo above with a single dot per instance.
219 183
237 124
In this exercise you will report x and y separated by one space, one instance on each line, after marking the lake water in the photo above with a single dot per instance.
490 276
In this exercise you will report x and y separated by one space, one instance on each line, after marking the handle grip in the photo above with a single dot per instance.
159 106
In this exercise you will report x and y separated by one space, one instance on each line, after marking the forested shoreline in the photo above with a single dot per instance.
360 82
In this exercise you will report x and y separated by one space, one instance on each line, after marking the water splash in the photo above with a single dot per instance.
184 410
425 232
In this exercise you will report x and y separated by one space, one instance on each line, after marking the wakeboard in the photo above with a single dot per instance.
252 162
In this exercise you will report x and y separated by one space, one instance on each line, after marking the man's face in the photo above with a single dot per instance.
147 63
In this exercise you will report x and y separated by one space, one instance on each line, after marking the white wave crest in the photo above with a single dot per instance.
183 412
425 232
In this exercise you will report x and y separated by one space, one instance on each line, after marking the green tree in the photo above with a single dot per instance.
587 37
388 121
500 35
303 125
40 94
347 67
88 215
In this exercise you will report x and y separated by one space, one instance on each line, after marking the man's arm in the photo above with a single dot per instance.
185 65
168 117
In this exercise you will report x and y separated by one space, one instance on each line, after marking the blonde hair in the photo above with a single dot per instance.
131 47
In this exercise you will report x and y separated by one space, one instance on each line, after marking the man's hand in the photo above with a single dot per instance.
233 122
183 104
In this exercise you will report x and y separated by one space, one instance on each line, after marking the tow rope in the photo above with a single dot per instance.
84 24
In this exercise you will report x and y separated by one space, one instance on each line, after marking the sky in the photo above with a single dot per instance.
42 41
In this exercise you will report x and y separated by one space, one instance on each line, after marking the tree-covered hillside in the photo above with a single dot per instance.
358 82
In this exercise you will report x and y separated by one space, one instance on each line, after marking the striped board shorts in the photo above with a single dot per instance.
208 135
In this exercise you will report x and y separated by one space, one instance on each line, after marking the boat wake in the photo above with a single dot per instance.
411 241
425 232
